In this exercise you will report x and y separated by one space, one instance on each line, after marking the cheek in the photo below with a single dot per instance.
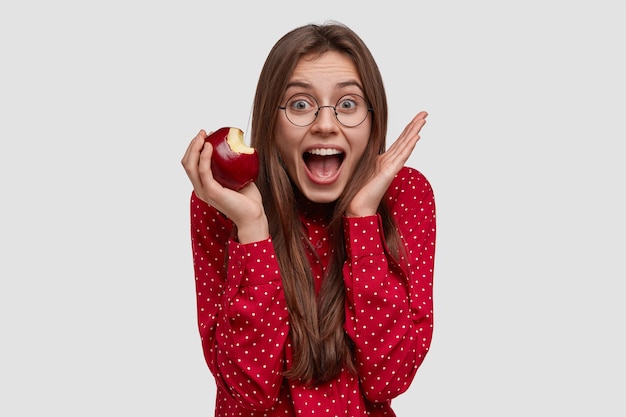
360 141
281 138
287 148
283 152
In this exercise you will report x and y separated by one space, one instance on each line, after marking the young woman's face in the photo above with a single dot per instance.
321 157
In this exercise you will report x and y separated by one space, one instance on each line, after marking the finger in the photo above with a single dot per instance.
410 134
420 121
191 160
204 162
400 151
416 124
407 140
194 147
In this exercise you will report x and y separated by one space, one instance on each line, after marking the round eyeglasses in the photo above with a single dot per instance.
350 111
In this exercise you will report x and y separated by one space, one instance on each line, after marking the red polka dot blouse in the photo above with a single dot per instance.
244 323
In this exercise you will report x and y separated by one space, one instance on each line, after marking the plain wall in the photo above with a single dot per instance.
523 146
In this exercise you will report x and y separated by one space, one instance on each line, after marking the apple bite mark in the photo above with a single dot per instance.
323 164
236 143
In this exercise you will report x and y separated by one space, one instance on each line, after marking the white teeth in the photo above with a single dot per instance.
324 151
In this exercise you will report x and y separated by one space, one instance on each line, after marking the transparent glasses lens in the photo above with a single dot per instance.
302 109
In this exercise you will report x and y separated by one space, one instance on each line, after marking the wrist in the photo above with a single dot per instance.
253 230
362 212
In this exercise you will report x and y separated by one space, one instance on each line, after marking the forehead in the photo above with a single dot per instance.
331 69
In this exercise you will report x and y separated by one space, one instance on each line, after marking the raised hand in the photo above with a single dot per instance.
244 207
388 164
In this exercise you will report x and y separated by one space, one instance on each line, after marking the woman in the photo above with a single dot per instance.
314 284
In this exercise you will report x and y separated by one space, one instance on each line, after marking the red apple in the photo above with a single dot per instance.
233 163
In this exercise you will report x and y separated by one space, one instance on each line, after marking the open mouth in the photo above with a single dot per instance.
323 164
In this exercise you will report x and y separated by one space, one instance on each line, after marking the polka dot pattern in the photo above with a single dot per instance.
244 323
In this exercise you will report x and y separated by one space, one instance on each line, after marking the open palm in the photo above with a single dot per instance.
388 164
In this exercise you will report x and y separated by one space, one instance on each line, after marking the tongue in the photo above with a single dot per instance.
323 166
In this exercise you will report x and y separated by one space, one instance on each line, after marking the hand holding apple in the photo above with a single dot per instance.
233 164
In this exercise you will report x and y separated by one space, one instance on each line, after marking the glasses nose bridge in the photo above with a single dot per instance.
319 108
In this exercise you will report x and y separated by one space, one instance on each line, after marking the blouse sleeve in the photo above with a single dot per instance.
389 312
242 314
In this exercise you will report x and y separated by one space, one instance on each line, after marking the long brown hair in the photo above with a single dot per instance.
320 345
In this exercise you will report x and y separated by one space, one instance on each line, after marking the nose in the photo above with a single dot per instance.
327 119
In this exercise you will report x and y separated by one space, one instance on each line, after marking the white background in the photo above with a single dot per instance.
524 147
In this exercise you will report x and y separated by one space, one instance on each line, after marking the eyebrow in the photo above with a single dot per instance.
350 84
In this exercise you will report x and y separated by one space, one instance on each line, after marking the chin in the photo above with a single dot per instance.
322 194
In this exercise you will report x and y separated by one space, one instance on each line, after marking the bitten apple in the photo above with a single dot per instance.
233 163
